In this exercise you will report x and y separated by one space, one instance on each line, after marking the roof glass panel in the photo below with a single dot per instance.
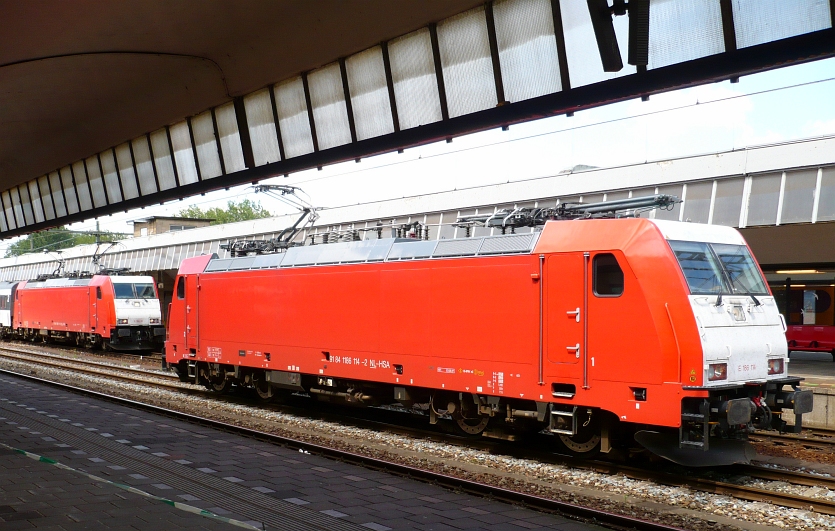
94 178
327 98
683 30
162 159
262 133
293 119
69 189
206 143
230 138
369 93
584 64
111 179
466 62
415 82
761 21
144 165
37 207
46 197
124 161
527 48
183 153
57 193
81 186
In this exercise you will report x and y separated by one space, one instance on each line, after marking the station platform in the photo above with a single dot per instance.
71 462
818 371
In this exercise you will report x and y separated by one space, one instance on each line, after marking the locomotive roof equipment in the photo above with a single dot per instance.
286 194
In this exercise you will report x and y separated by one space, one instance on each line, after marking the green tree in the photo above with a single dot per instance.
54 239
233 212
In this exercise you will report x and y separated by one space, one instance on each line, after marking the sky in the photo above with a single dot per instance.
780 105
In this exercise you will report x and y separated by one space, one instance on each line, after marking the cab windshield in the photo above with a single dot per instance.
714 268
134 291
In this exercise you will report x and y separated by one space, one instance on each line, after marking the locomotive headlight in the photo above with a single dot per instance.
121 321
775 366
738 312
154 320
717 371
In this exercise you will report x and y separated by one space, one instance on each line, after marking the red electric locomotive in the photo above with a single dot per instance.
604 331
101 311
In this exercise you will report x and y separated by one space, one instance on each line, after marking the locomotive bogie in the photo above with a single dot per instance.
599 329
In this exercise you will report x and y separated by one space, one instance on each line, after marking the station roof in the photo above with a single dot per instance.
78 77
109 106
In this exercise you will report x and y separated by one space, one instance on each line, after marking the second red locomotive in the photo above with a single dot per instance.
119 312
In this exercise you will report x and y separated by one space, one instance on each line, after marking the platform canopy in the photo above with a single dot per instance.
107 106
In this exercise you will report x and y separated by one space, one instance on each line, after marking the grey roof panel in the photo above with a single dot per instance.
244 262
459 247
411 249
510 243
264 261
218 265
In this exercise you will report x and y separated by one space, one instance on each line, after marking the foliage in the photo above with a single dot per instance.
233 212
54 239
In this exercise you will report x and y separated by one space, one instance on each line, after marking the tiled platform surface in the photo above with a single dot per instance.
121 464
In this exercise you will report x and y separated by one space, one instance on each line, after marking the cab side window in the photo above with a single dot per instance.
98 292
608 276
181 288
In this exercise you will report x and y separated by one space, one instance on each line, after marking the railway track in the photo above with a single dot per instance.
817 439
704 484
129 374
613 520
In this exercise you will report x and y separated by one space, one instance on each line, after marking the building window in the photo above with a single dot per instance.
181 227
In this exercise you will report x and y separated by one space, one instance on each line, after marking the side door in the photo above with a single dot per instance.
192 291
95 295
565 314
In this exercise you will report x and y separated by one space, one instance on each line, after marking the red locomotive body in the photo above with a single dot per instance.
811 338
586 327
117 311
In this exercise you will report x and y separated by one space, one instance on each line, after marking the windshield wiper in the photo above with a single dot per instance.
735 282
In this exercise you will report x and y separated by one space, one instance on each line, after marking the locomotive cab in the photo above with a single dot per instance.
744 382
137 313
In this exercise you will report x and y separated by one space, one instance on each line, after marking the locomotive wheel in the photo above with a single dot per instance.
220 386
264 389
586 443
472 427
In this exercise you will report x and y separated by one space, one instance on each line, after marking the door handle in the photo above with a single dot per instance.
575 349
575 313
